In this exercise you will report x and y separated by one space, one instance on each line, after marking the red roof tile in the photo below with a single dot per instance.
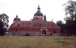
49 24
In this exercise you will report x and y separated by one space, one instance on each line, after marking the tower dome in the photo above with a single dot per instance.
16 18
38 13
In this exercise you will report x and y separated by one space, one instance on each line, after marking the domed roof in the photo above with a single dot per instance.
16 18
38 13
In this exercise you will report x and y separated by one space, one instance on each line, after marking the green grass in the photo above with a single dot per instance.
37 42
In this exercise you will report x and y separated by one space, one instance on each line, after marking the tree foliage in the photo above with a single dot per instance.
70 9
70 26
3 23
62 25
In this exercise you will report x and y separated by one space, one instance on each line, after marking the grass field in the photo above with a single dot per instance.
37 42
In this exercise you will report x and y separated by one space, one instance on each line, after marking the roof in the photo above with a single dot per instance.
38 13
16 18
48 24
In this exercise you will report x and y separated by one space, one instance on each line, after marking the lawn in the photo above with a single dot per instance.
37 42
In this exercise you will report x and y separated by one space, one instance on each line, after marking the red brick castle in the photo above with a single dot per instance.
38 26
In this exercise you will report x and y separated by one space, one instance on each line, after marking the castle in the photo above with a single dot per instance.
38 26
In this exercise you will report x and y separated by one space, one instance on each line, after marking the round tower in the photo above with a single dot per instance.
16 19
38 14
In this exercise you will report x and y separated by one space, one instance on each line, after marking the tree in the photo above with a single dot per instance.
70 10
62 25
3 23
1 28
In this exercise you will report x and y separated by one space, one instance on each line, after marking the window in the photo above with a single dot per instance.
22 23
34 25
54 32
52 25
18 25
36 18
16 29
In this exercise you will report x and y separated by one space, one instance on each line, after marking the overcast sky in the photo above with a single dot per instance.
25 9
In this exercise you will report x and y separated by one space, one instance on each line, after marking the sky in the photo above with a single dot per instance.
25 9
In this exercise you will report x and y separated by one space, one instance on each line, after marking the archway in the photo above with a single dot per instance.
27 34
44 32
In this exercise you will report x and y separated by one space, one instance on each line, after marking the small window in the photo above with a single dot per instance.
51 34
52 25
22 23
18 25
34 25
16 29
36 18
54 31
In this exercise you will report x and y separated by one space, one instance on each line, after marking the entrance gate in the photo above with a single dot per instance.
44 32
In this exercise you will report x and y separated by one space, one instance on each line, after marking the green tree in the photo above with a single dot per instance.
3 23
62 25
70 10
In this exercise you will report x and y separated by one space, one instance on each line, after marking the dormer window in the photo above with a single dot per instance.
22 23
34 25
52 25
18 25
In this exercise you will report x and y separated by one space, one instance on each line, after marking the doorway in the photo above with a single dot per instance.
44 32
